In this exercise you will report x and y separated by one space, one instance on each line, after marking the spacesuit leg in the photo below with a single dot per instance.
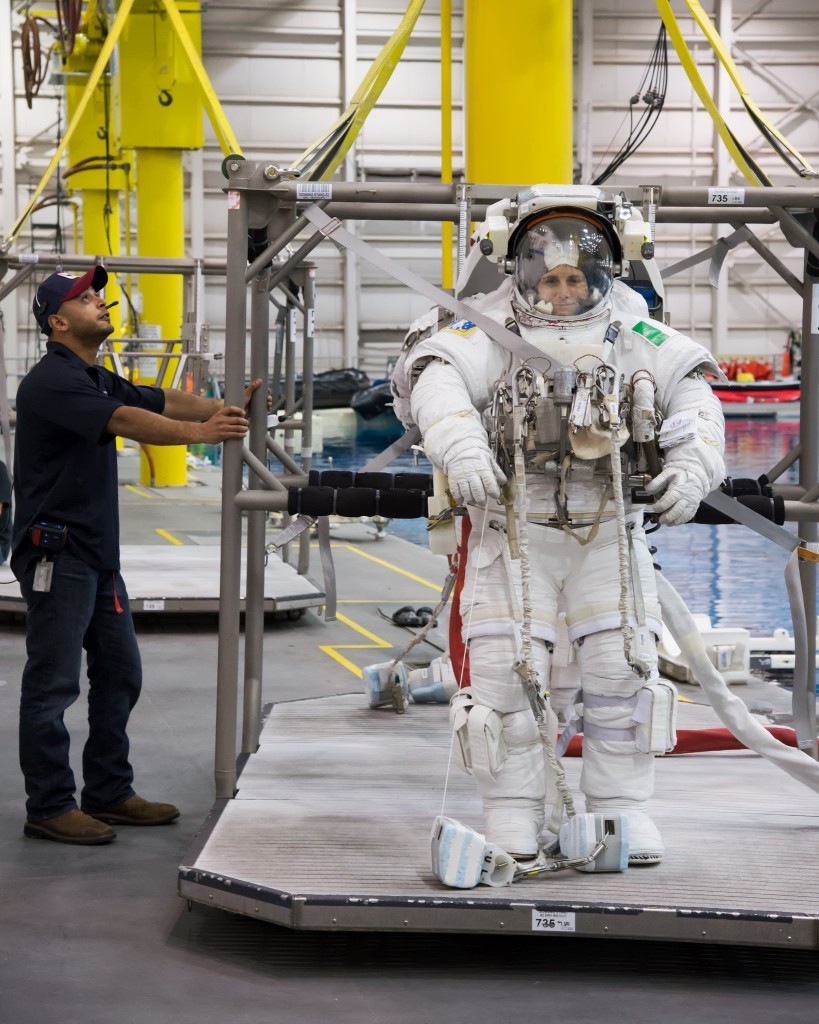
616 775
515 789
514 795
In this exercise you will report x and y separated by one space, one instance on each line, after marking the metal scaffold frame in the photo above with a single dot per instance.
293 844
262 199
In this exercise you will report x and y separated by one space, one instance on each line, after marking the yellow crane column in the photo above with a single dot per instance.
518 92
161 232
159 108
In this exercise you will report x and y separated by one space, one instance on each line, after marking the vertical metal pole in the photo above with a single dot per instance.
464 193
446 135
289 393
227 670
256 518
309 297
720 343
808 473
349 265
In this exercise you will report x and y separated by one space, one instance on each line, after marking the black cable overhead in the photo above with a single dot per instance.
651 92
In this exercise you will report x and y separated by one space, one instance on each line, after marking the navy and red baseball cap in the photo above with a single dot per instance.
59 288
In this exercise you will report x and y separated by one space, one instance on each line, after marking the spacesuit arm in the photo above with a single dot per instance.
454 438
694 466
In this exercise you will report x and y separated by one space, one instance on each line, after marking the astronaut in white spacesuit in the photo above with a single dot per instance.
602 377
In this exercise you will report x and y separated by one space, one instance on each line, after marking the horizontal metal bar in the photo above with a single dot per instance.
802 511
131 264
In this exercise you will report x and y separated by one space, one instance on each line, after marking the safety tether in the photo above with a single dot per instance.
321 159
792 157
744 162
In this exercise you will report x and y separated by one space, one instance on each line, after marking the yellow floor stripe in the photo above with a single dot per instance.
333 649
139 491
388 565
170 537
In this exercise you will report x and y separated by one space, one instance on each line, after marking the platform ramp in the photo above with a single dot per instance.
185 578
330 830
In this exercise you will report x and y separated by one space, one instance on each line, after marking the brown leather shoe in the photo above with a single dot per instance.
72 827
137 811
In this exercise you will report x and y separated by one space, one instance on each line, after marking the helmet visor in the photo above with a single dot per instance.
563 266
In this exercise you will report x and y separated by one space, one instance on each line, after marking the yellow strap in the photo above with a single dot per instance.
751 174
727 62
326 154
807 555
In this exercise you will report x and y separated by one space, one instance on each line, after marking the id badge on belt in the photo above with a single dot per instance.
42 575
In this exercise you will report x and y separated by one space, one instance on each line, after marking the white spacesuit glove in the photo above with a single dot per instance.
473 476
454 437
695 466
682 485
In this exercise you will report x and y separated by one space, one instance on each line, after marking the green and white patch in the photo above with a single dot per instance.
652 331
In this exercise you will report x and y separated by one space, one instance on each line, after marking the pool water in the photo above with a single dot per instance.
726 572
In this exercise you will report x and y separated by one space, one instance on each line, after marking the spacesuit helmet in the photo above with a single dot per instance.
564 265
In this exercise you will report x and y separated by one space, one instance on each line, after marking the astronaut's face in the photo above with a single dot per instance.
564 289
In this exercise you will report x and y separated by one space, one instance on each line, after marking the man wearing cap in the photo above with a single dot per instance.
65 554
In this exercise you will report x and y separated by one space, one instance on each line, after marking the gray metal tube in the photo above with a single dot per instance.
790 492
685 195
801 512
227 665
260 474
739 215
282 456
401 211
280 273
132 264
275 247
809 474
16 281
784 463
256 560
309 294
370 192
271 501
289 399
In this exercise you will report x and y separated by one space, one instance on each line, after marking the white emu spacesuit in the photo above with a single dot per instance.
600 372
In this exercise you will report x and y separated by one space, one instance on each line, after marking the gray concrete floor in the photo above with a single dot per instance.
98 935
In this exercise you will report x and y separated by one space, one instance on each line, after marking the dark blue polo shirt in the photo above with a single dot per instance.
65 463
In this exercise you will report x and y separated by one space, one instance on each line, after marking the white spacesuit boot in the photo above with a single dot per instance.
618 767
617 776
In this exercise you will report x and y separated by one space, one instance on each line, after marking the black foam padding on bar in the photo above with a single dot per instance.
772 509
357 501
337 478
403 504
738 488
413 482
313 501
376 481
314 478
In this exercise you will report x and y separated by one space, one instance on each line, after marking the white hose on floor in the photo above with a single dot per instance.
731 711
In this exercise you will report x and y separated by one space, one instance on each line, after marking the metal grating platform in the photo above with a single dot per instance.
330 830
165 578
